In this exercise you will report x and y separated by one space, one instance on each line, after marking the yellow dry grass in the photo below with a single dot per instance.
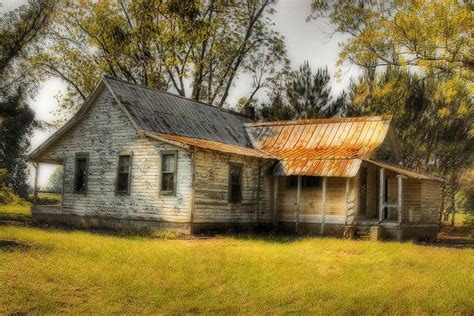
81 272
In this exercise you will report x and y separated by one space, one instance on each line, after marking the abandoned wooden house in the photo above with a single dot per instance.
138 156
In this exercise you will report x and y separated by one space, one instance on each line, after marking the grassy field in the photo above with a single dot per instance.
71 271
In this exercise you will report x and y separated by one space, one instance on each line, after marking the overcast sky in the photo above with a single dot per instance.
304 40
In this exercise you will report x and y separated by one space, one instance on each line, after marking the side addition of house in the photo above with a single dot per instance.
141 157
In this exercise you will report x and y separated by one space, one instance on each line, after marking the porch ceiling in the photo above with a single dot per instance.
318 167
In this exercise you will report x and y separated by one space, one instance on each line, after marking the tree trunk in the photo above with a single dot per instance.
453 204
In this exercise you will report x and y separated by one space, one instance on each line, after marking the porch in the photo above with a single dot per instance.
380 201
41 204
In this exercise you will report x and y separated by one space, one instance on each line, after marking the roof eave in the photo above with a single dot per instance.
68 125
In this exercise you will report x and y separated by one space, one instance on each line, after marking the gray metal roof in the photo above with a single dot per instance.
162 112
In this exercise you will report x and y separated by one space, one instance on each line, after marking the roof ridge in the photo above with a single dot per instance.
106 76
323 120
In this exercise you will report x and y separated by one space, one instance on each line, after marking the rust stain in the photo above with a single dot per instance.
322 147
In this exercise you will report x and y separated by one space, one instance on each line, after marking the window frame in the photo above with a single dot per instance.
241 168
77 156
175 172
129 180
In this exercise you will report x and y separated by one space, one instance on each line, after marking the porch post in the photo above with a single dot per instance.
399 197
323 206
275 199
297 209
381 193
347 199
35 185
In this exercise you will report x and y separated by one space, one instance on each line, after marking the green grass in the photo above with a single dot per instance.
82 272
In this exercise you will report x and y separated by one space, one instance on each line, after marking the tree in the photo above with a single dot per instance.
433 117
303 95
169 45
18 30
433 36
55 181
427 48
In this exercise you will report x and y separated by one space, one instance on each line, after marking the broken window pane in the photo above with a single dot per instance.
235 183
80 178
123 174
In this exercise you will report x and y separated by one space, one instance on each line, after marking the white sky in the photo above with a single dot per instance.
304 40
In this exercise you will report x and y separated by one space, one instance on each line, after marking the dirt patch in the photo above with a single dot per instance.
11 245
454 237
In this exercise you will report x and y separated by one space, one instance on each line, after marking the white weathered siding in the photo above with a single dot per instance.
211 190
103 133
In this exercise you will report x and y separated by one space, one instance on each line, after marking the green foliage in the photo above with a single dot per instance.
432 117
18 30
465 194
432 105
7 196
168 45
434 36
303 94
55 181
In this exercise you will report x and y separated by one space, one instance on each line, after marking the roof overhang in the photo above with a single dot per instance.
403 171
35 154
187 142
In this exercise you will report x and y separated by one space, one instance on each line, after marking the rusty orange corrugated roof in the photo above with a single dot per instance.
321 147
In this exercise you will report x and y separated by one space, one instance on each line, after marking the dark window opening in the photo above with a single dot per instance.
235 183
123 174
168 173
80 173
306 181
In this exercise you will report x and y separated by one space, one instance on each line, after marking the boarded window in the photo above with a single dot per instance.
306 181
124 170
80 172
235 183
168 172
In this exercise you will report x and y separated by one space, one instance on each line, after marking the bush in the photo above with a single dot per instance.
8 197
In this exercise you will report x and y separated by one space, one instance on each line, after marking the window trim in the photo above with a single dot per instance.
175 172
229 188
76 157
129 180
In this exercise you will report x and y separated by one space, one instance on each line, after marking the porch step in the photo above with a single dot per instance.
367 233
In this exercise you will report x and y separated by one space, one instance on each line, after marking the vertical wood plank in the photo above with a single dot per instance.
191 197
381 193
323 206
275 199
347 199
62 182
297 208
36 165
399 197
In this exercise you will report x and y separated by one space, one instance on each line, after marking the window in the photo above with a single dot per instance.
124 170
306 181
80 173
235 183
168 172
